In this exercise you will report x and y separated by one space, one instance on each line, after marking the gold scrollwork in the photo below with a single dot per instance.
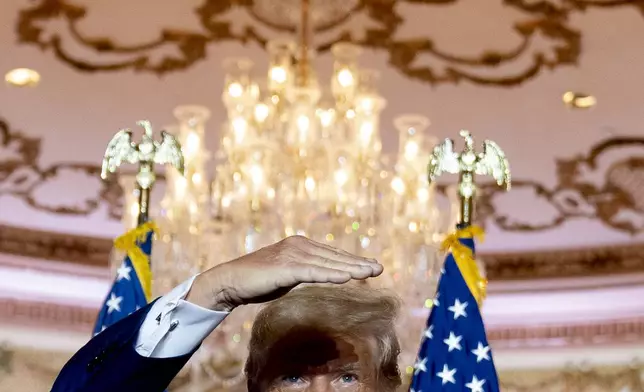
615 200
21 177
545 19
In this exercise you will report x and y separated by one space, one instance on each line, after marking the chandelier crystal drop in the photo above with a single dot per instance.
298 159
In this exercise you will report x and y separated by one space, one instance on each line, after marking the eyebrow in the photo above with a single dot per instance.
349 367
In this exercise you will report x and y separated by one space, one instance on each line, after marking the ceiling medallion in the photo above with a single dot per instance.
285 15
541 21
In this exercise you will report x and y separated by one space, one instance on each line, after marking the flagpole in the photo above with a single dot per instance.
130 293
445 355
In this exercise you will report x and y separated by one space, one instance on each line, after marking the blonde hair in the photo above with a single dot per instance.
348 311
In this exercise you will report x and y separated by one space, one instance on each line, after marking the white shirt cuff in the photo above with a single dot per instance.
175 327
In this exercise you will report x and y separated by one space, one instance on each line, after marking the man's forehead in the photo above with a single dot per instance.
334 366
319 350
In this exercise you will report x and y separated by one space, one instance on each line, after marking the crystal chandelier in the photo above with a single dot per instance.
296 158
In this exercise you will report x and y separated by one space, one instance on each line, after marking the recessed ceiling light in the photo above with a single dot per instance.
579 100
22 77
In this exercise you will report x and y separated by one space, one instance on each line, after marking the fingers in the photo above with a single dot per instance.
307 253
332 253
306 273
357 271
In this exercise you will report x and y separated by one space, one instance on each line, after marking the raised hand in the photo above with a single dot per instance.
272 271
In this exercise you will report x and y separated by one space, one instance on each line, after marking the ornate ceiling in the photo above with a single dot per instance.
548 21
588 169
498 68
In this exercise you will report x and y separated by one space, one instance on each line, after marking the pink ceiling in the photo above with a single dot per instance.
75 113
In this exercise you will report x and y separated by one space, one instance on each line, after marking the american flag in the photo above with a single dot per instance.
454 354
127 293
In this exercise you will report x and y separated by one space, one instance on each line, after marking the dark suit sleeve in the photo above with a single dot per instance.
110 363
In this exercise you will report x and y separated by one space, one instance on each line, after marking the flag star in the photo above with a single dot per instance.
447 375
482 352
442 270
429 332
476 385
102 329
436 301
420 366
453 342
114 303
123 272
458 309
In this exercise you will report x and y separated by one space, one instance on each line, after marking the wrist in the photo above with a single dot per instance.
209 291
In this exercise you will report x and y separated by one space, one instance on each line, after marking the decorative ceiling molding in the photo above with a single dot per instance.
43 245
585 262
48 315
625 378
21 176
603 184
546 21
95 252
81 319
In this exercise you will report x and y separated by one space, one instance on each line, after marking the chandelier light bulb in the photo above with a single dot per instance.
196 178
235 90
341 177
278 75
413 227
423 195
398 185
303 123
309 184
191 146
240 126
326 117
366 133
256 174
180 185
261 112
411 150
345 78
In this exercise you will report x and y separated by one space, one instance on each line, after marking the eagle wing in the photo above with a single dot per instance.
120 149
492 162
442 159
169 152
